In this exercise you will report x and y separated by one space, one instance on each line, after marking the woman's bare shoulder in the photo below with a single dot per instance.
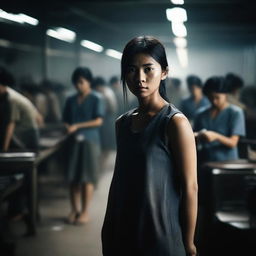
179 125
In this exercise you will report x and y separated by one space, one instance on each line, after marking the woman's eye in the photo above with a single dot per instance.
148 69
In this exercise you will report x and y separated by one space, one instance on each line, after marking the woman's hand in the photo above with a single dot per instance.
191 250
209 136
72 128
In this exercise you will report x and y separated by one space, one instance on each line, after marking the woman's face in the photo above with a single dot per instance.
144 75
218 100
83 85
196 91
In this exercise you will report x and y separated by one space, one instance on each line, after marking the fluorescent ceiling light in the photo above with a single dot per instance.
177 1
176 14
179 29
180 42
114 54
182 54
92 46
62 34
19 18
28 19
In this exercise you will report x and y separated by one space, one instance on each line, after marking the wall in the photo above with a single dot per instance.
206 62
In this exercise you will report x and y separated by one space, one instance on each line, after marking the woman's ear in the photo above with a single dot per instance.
165 73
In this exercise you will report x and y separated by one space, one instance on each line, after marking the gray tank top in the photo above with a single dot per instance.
143 210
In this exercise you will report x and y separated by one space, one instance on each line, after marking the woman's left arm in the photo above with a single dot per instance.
92 123
236 126
182 145
211 136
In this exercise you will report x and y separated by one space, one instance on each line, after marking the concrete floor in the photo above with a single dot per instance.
54 236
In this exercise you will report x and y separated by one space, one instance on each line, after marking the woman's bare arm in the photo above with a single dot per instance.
183 148
92 123
210 136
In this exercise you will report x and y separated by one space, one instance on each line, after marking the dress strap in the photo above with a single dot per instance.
172 111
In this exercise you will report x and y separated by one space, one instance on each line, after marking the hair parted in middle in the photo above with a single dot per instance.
146 45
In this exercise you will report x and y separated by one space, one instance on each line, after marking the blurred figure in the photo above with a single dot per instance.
116 86
19 124
21 120
32 91
5 107
174 91
83 116
219 127
53 112
248 98
196 100
108 128
234 84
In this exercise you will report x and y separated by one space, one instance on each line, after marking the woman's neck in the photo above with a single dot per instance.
219 109
197 98
83 95
151 103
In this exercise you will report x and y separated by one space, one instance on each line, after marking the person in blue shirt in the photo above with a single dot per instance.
219 127
83 116
196 100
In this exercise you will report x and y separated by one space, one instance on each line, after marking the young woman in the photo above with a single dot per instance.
152 205
219 126
83 115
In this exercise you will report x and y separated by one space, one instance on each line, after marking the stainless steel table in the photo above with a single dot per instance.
23 163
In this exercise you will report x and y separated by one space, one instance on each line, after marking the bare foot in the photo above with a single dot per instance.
83 218
72 217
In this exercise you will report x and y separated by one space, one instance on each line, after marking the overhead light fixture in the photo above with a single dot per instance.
177 1
182 54
29 20
180 42
19 18
92 46
176 14
114 54
179 29
62 34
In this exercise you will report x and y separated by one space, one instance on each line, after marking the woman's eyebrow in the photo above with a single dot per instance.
144 65
147 64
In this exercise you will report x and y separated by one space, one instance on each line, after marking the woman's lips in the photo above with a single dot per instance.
140 88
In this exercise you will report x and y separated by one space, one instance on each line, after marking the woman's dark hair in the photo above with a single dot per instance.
194 80
113 80
233 82
98 81
175 82
6 78
215 84
82 72
147 45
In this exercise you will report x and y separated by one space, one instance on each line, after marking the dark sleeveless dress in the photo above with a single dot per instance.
142 216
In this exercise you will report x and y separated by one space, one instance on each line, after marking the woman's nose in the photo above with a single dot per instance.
141 77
